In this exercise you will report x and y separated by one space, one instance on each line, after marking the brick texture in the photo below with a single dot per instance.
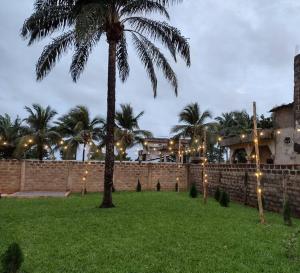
33 175
239 181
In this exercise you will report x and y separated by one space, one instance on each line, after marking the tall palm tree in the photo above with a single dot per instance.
78 127
194 123
128 132
83 23
10 133
39 134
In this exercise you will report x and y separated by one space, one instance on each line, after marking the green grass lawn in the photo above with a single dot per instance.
146 232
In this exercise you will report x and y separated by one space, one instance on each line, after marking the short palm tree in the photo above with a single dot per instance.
128 132
10 133
234 123
194 123
77 127
226 123
84 23
39 133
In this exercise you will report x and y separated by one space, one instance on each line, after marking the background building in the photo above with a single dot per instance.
279 145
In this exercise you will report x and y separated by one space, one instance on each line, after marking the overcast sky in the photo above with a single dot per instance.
242 50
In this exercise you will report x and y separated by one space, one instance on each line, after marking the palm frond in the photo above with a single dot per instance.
146 60
122 59
52 53
168 35
81 55
144 6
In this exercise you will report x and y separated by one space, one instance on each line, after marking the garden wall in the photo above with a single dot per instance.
239 181
33 175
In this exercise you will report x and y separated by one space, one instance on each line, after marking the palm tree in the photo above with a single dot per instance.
78 127
194 123
39 134
10 133
128 132
83 23
226 123
234 123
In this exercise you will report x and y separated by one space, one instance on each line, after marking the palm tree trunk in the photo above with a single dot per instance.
110 120
83 152
40 150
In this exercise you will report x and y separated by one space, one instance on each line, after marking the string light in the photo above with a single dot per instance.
171 142
30 140
278 132
61 142
259 190
4 143
220 139
66 147
258 174
243 136
86 172
145 143
261 133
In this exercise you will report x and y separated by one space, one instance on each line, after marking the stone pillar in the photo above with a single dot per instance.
297 90
248 150
231 153
23 175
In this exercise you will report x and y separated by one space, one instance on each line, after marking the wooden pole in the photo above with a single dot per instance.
258 171
204 174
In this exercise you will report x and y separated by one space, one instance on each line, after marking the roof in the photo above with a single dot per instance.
164 140
277 108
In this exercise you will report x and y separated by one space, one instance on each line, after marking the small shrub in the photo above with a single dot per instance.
158 186
139 186
12 259
287 213
176 187
217 194
224 199
193 191
290 245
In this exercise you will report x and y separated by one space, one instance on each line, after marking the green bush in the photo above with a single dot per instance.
193 191
217 194
287 213
139 186
224 199
12 259
158 186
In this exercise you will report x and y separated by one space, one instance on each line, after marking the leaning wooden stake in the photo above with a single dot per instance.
204 174
258 171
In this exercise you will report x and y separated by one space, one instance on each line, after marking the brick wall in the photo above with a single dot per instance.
10 176
33 175
239 181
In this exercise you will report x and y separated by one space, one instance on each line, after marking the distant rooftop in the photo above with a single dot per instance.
277 108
